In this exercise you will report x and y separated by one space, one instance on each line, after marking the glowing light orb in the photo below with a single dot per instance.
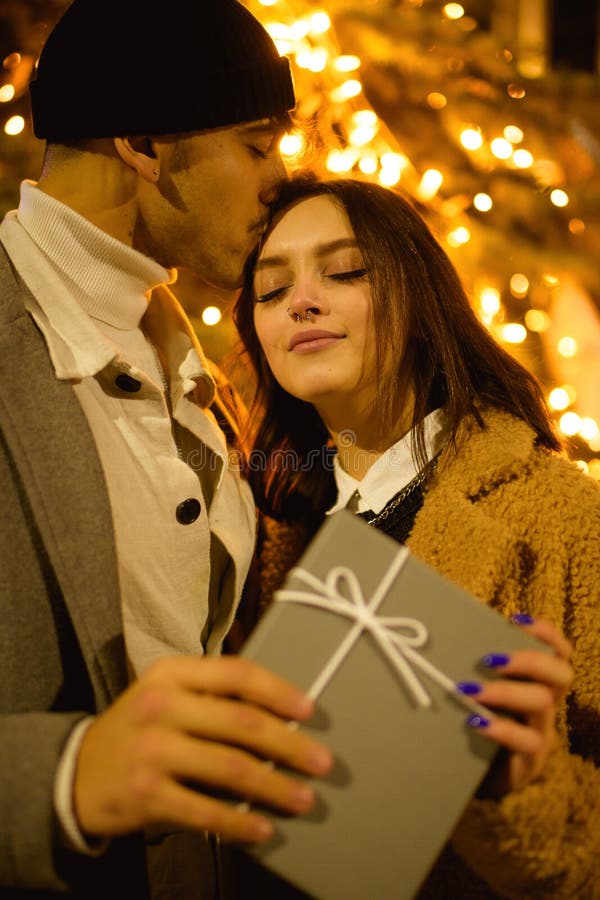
211 315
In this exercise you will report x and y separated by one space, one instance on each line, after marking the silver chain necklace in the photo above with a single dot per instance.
395 502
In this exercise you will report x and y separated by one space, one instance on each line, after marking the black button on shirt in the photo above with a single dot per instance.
127 383
188 511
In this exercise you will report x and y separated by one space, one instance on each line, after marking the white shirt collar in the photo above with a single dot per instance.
78 273
392 471
110 280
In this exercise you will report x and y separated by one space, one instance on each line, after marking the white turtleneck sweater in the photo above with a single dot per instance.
180 582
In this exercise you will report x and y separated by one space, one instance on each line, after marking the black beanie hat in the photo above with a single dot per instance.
126 67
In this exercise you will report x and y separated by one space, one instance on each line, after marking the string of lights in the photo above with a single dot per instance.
349 136
425 97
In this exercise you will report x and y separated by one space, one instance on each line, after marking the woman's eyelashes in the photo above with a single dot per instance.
271 295
351 275
348 276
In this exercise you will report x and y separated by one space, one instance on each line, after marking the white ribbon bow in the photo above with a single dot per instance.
397 636
399 648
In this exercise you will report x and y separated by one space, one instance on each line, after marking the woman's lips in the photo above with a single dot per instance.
313 339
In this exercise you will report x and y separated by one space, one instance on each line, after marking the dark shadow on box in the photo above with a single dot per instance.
245 879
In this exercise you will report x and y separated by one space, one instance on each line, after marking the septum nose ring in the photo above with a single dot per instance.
297 317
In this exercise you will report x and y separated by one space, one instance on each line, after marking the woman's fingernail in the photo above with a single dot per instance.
478 721
495 660
522 619
468 687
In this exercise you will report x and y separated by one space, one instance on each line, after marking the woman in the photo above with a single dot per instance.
379 390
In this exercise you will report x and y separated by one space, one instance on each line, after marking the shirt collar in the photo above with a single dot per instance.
392 471
78 273
110 280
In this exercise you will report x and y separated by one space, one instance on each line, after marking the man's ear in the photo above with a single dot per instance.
139 154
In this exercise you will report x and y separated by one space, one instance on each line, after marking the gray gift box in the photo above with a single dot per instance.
406 761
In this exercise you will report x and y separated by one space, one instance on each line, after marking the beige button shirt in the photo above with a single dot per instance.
159 447
180 583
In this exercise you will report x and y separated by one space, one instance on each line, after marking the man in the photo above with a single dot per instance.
127 535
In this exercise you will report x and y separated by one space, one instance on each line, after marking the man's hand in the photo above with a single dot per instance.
189 724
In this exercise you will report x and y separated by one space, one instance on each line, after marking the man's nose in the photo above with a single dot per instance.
277 172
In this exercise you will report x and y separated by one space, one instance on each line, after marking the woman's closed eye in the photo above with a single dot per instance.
272 294
350 275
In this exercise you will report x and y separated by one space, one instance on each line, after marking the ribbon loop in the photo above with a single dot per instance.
398 637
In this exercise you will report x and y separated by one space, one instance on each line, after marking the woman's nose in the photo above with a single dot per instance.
304 304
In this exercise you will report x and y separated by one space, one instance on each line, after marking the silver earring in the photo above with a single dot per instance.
155 171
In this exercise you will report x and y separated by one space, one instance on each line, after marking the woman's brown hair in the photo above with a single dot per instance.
419 307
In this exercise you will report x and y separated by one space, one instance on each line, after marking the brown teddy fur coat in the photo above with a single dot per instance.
519 528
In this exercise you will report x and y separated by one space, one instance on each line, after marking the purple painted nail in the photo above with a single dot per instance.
477 721
468 687
522 619
495 660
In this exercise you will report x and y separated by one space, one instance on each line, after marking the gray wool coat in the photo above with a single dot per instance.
62 650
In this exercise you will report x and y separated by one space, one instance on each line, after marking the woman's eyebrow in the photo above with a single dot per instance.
332 246
271 262
320 250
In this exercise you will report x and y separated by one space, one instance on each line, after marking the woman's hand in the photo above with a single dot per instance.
532 685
